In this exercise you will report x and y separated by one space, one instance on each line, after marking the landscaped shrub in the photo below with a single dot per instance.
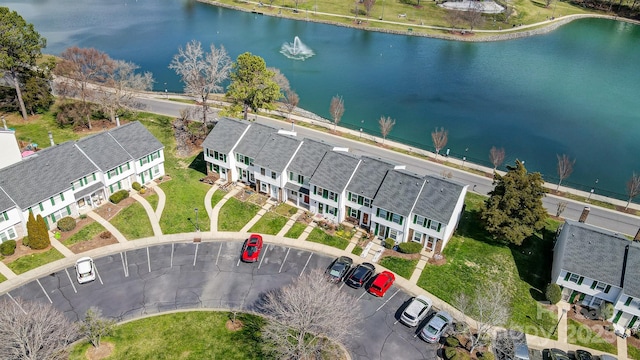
8 247
389 243
83 216
136 186
105 235
142 191
37 232
553 293
410 247
118 196
452 341
25 241
607 311
67 223
487 355
450 353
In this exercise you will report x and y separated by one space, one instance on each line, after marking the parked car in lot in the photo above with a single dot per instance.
607 357
252 248
339 268
360 275
436 327
511 345
85 270
382 283
583 355
557 354
417 310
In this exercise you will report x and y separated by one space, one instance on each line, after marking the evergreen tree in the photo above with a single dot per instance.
252 84
514 209
40 239
31 229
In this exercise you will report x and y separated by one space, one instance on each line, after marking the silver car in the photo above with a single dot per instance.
436 326
416 311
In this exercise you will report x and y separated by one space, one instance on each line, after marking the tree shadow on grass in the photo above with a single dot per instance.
534 259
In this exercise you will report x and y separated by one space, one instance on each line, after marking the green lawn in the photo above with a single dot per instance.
133 222
402 267
216 197
2 278
321 237
582 335
296 230
473 257
633 352
357 250
153 201
270 224
29 262
37 131
88 232
184 335
235 214
286 210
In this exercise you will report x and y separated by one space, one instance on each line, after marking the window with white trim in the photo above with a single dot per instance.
367 202
263 171
382 213
240 158
396 219
434 225
156 170
393 234
8 234
417 237
4 217
353 213
601 286
274 175
263 187
574 278
331 210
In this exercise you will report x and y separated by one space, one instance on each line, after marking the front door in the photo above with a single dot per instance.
365 219
306 199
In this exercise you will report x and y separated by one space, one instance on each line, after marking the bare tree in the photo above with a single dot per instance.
291 101
309 317
82 69
473 15
202 73
455 18
386 124
633 188
440 138
496 156
121 85
565 167
94 326
337 110
489 307
280 79
562 205
368 6
34 330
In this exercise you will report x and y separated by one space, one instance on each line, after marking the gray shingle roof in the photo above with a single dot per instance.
334 171
5 202
308 157
254 139
632 274
276 152
103 150
398 192
136 139
438 199
593 252
369 176
224 135
47 173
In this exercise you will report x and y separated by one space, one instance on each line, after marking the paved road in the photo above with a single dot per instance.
208 275
613 220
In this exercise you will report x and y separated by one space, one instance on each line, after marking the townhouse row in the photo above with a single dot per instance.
76 176
595 266
335 184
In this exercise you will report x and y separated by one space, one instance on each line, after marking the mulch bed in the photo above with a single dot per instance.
599 326
109 210
21 251
389 252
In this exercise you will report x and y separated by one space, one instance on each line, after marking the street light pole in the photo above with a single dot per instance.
197 224
564 311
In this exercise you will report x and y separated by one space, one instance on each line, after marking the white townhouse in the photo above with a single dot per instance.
594 266
328 183
362 189
68 178
248 149
271 162
8 148
219 146
301 168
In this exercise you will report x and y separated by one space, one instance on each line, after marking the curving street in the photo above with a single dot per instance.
209 275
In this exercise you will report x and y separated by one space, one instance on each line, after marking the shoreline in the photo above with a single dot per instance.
512 33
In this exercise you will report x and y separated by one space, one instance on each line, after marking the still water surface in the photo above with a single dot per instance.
572 91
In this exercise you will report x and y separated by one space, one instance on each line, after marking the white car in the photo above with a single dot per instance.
85 270
416 311
436 327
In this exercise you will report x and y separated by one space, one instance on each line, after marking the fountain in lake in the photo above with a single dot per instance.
296 50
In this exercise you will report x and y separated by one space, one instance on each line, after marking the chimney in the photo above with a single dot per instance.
585 213
637 237
117 121
4 123
51 139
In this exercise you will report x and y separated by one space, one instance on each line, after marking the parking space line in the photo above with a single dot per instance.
238 263
44 291
389 299
285 259
98 274
263 255
71 281
148 259
218 256
172 247
360 297
195 255
14 300
305 265
125 264
341 286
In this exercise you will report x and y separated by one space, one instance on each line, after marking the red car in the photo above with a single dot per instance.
251 248
382 283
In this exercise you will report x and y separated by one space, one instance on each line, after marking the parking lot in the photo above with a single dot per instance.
209 275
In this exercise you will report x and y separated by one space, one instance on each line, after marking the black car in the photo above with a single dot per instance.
360 275
339 268
557 354
583 355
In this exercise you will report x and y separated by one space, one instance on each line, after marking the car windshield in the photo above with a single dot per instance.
376 287
334 273
360 272
431 330
251 249
409 316
84 268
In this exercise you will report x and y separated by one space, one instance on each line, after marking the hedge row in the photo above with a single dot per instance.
119 196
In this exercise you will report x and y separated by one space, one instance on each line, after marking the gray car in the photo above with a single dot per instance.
436 327
416 311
